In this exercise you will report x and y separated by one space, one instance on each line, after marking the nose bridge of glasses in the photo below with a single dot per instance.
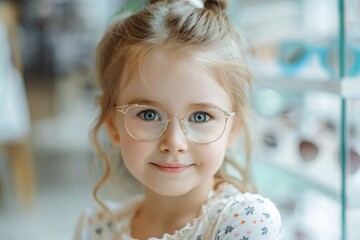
181 121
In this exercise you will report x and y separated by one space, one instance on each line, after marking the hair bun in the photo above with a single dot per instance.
216 5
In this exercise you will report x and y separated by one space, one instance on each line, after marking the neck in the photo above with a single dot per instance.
171 207
172 213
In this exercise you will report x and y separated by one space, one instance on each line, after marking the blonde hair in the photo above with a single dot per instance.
205 34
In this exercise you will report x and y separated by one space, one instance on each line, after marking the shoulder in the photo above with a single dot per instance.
97 223
248 216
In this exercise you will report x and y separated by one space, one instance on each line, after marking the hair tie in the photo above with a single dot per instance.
196 3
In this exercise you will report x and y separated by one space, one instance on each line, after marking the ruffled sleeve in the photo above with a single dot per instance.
249 217
94 224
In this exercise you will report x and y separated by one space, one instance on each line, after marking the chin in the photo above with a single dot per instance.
170 189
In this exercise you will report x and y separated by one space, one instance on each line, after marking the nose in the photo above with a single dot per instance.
174 139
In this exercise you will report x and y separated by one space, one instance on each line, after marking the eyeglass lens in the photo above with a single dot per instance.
332 59
292 53
308 150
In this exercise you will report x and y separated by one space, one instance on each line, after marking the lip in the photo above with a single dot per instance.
171 167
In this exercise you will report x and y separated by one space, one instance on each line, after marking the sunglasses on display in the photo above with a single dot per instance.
309 151
282 115
295 55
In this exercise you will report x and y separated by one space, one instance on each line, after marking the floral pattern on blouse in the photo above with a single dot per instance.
227 215
250 217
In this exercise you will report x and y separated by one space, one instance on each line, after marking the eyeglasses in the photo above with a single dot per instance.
148 123
293 55
309 150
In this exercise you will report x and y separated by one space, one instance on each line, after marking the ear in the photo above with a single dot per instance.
234 132
112 130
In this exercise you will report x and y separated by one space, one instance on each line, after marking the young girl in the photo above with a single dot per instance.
174 85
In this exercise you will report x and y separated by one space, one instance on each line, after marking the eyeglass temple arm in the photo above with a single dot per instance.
120 109
230 114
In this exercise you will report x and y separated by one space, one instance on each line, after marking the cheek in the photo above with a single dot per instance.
212 155
130 148
133 150
134 155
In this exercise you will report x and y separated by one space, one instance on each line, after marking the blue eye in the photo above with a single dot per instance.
200 117
149 115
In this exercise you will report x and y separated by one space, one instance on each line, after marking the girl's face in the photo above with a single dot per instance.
172 165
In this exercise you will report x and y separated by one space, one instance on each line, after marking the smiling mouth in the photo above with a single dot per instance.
172 168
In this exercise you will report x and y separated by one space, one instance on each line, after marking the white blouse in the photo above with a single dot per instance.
228 214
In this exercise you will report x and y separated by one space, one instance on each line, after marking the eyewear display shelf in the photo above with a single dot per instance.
306 102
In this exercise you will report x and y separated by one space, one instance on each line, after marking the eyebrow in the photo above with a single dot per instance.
143 101
203 105
154 103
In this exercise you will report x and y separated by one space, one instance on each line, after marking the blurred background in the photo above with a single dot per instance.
47 98
305 58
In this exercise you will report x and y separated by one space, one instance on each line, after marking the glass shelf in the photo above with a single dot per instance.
348 88
308 210
294 177
298 144
306 70
306 180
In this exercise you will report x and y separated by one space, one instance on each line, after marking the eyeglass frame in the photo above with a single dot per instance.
124 108
290 69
